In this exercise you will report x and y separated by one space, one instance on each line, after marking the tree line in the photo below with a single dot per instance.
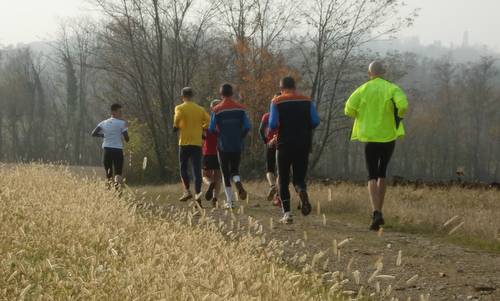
141 53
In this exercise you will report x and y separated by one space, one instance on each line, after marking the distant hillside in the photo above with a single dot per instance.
460 53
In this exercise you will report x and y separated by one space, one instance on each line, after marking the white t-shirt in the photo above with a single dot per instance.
113 130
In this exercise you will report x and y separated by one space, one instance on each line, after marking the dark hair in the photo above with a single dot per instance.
115 107
187 92
226 90
287 82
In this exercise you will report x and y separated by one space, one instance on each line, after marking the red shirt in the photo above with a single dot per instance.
269 133
210 144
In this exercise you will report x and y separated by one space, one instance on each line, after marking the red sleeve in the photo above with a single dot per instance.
265 118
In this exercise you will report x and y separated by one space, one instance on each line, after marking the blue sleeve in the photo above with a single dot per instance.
274 117
212 127
246 122
314 116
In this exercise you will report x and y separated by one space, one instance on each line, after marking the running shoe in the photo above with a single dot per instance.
287 218
209 195
305 206
186 196
272 192
242 193
377 221
198 199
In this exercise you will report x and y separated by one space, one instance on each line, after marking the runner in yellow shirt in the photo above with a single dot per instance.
190 120
378 107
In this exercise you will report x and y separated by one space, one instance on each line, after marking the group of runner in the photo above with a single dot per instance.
218 138
212 144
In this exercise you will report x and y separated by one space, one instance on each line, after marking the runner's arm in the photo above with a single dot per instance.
97 132
400 101
352 104
177 119
314 116
125 136
206 120
246 125
125 131
212 128
274 117
262 130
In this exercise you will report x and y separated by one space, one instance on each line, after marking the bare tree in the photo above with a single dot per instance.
336 29
23 100
478 88
153 48
74 48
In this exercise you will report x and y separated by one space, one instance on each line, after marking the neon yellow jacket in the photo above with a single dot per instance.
373 107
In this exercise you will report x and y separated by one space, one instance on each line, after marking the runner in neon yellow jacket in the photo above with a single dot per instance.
378 107
373 107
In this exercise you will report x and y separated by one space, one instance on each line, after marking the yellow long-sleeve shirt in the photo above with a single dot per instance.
190 119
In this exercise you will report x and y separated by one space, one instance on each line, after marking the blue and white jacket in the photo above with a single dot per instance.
230 121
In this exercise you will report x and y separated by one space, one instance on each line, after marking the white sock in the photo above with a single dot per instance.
229 195
236 179
287 214
271 179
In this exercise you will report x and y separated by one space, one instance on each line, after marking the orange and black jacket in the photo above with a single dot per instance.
295 116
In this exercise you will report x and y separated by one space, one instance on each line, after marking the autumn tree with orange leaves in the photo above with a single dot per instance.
258 74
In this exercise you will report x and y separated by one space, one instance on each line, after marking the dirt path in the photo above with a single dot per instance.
445 271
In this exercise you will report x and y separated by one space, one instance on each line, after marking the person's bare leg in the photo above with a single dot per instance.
381 188
373 193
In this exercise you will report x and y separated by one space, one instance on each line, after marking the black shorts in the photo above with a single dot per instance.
377 157
271 159
113 162
211 162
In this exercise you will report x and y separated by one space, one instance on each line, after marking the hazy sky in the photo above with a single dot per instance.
446 20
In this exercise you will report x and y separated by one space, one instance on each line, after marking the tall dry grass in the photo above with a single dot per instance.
62 237
423 209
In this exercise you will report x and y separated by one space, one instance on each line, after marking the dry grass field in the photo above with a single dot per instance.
448 236
471 215
64 236
67 238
